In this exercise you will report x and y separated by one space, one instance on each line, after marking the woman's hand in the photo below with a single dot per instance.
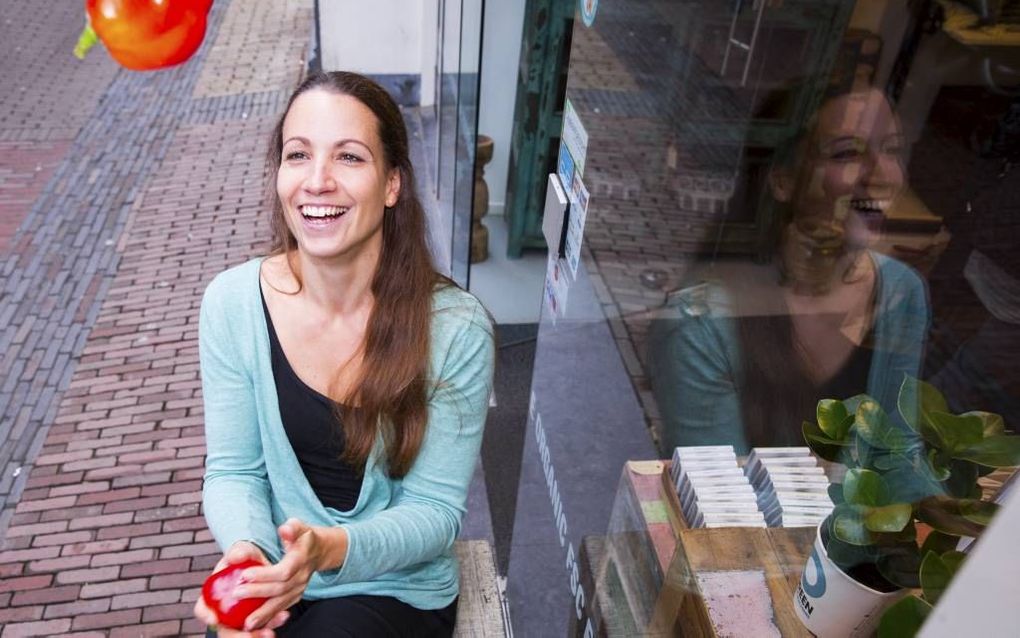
306 550
238 552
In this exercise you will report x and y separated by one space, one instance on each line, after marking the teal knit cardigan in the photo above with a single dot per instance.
694 357
401 531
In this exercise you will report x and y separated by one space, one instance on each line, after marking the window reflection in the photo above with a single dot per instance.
976 282
790 200
744 352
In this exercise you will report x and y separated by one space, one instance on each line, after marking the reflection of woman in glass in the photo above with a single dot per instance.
743 356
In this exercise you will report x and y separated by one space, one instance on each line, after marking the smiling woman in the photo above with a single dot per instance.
334 182
741 354
345 384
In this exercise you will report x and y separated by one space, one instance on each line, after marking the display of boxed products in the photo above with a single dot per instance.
712 489
777 487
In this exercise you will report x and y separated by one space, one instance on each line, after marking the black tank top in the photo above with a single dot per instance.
314 433
852 378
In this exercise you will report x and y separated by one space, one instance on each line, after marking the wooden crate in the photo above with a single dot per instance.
736 581
654 576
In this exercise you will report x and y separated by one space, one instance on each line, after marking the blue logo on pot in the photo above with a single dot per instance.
814 589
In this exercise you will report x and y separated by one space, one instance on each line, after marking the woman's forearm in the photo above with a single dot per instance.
333 547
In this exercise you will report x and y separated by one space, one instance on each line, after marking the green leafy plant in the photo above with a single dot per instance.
920 465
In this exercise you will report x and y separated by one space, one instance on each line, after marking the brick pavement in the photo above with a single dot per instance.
161 186
46 93
25 168
38 125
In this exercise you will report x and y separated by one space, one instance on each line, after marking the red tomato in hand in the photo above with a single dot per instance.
218 594
149 34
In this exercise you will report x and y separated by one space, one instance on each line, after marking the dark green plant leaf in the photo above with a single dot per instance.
962 480
935 577
904 618
874 426
939 543
853 402
939 462
946 515
861 451
932 438
956 432
978 511
845 427
848 556
917 400
888 518
865 487
993 423
831 414
890 461
848 526
908 535
911 484
901 565
953 559
821 444
887 541
1000 450
836 493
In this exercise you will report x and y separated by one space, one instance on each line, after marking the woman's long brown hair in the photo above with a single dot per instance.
391 393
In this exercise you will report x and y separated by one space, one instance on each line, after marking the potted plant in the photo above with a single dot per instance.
908 495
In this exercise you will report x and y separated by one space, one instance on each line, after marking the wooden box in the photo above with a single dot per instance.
654 576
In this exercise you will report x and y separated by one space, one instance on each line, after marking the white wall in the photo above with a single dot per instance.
376 37
501 50
429 50
471 15
451 36
399 37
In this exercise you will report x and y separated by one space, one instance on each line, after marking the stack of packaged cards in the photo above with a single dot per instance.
712 490
792 488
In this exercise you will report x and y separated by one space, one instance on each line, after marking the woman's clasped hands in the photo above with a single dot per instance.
306 549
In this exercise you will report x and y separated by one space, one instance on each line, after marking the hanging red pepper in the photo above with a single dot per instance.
146 34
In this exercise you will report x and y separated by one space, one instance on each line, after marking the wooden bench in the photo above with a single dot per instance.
479 610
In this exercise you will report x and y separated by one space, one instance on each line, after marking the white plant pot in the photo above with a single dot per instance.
831 604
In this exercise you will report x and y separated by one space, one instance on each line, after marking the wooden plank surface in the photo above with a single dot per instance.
479 610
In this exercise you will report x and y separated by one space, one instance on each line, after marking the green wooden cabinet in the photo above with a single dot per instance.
538 118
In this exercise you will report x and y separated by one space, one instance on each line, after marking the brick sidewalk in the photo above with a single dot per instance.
161 187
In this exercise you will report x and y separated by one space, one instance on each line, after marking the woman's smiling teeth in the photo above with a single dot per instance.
872 206
322 212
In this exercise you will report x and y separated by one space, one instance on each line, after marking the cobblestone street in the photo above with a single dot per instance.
121 195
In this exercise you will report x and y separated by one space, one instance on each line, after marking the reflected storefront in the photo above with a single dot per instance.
758 205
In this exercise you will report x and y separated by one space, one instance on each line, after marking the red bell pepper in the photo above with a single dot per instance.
146 34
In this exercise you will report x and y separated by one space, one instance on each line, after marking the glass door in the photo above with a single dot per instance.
457 97
770 203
